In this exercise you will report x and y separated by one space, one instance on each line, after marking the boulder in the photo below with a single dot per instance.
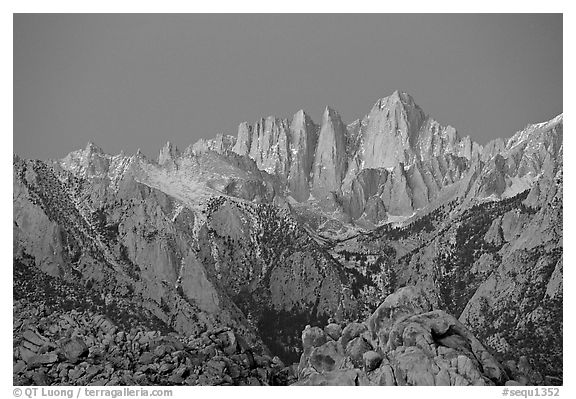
372 360
313 337
277 362
352 331
41 378
336 378
35 338
333 331
327 357
525 369
93 370
73 349
404 302
18 366
216 366
356 349
404 343
146 358
26 354
382 376
42 359
413 367
228 342
75 374
165 368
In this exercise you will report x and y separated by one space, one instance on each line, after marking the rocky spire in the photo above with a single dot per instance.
244 140
168 153
330 159
270 145
220 144
303 138
92 148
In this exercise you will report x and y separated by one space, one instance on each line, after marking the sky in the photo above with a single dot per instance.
136 81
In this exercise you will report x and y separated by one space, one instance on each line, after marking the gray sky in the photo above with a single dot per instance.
136 81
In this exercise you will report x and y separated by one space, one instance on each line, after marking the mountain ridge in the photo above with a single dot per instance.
330 168
285 226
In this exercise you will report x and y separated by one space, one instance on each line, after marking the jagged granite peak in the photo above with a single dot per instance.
421 157
92 148
397 130
220 144
330 161
90 161
168 153
537 136
303 139
534 130
398 99
268 142
512 166
139 154
434 139
387 133
244 139
492 148
469 149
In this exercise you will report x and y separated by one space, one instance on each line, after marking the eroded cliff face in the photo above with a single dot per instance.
267 143
402 190
168 153
221 144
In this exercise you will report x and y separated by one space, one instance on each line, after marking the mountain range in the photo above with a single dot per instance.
293 224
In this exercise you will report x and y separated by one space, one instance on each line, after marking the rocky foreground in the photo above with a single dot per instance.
405 342
62 336
84 348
